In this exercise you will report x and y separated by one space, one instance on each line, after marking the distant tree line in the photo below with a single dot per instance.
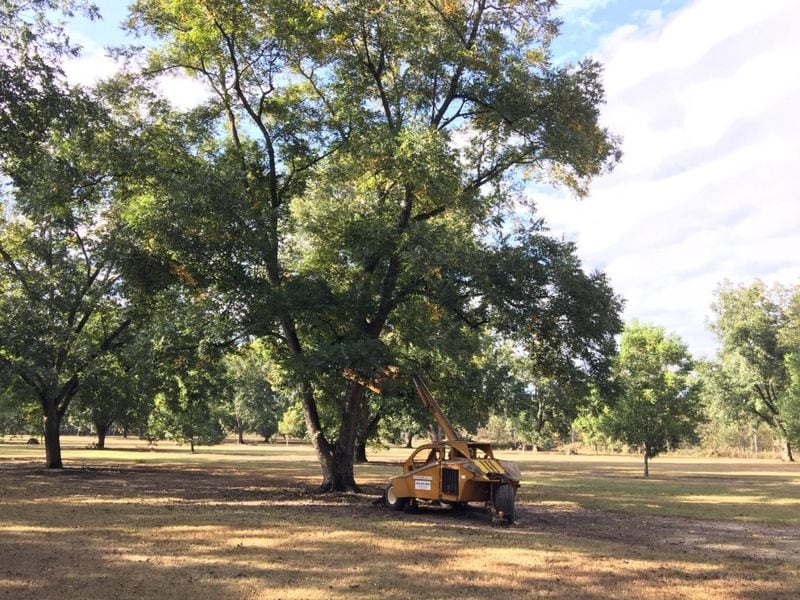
745 399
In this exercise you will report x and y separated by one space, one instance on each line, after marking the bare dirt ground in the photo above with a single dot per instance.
119 531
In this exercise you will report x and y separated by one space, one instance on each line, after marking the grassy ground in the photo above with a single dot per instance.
245 522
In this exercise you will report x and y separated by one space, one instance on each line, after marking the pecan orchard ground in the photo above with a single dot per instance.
245 522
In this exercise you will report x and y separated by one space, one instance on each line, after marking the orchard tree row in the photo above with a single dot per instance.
346 196
747 396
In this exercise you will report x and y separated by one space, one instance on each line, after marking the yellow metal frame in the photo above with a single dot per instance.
454 471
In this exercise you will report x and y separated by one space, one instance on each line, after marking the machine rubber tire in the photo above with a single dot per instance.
504 501
391 500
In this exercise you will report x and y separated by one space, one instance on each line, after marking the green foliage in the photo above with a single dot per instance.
658 404
18 416
189 406
341 195
190 381
292 423
791 405
32 90
253 405
755 373
185 418
62 248
590 428
118 387
497 430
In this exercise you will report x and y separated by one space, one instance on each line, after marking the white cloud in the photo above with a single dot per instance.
94 64
584 8
707 103
183 92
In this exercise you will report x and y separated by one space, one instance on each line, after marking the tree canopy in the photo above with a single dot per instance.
658 403
755 373
349 195
360 161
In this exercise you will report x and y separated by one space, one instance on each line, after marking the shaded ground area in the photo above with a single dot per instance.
118 531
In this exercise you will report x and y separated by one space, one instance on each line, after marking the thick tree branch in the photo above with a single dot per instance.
258 121
455 80
377 72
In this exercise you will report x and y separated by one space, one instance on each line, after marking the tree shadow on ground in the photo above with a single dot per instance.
122 532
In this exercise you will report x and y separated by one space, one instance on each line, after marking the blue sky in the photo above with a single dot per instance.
706 97
586 22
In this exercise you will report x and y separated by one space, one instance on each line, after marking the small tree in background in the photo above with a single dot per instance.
657 405
252 404
120 386
756 371
593 432
792 404
292 423
187 413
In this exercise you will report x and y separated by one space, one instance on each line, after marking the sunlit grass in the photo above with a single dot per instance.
764 491
759 491
243 522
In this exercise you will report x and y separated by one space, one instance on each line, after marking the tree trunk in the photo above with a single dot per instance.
786 454
361 451
337 470
240 432
646 466
539 424
367 429
435 432
102 430
409 440
336 459
52 436
101 438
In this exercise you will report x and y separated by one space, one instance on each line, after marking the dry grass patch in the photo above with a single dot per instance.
745 490
236 522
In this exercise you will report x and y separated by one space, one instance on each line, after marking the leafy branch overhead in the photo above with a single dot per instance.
344 190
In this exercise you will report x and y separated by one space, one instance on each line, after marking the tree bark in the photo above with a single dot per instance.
435 433
786 454
646 465
367 428
361 451
101 437
52 436
102 428
337 458
337 470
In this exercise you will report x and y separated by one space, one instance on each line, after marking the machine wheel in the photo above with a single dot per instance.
504 501
391 500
